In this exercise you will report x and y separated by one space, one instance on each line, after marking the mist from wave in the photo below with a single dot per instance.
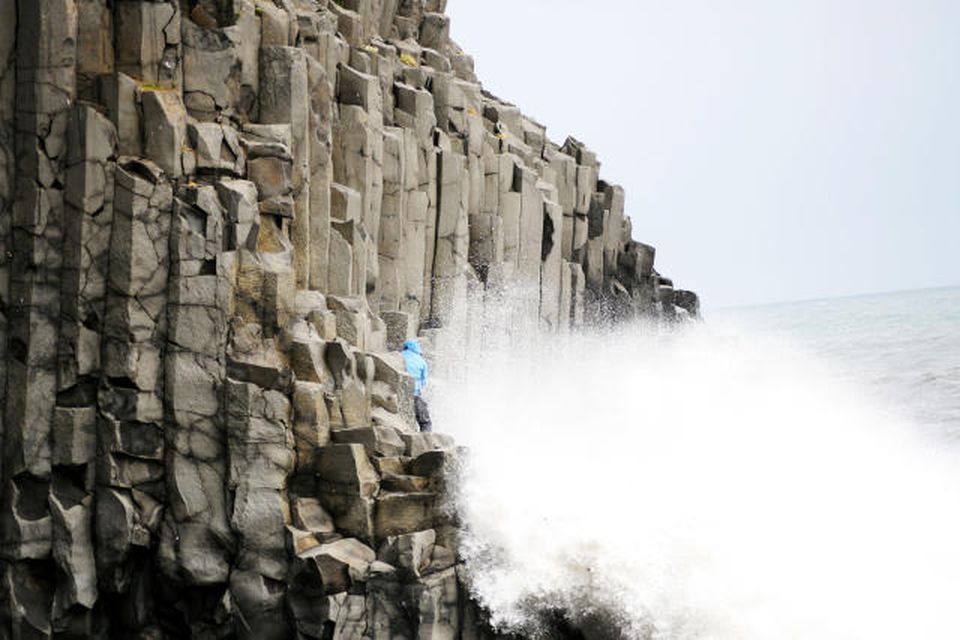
699 483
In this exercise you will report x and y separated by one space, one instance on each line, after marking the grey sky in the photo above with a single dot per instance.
770 149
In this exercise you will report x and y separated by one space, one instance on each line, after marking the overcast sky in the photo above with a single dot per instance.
770 149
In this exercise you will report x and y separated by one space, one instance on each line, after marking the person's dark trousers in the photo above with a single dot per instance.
423 414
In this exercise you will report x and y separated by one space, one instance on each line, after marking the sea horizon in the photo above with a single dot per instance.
845 296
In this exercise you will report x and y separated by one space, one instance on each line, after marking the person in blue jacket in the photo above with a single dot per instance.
417 367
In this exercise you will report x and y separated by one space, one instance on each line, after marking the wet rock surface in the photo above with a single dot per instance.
218 221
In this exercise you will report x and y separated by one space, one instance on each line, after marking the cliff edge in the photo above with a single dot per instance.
218 221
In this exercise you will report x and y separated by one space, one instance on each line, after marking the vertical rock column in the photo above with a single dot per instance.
284 100
428 171
414 113
590 232
636 263
294 98
88 208
613 232
8 95
148 42
551 266
46 87
358 165
457 105
486 227
597 218
196 529
451 253
586 184
220 66
521 208
130 420
563 169
91 163
94 45
261 457
391 246
510 199
321 171
259 428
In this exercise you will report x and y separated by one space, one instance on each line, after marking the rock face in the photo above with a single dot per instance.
216 219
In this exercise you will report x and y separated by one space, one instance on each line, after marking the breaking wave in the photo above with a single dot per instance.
692 484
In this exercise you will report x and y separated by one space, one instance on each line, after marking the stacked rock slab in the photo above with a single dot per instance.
219 219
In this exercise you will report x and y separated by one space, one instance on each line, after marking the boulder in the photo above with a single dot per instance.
300 541
341 563
378 441
273 176
353 321
345 203
239 198
360 89
419 443
147 41
354 404
217 148
400 483
393 465
399 513
212 69
309 515
307 357
437 463
165 129
311 423
72 548
435 31
410 553
385 397
687 300
401 326
345 469
352 514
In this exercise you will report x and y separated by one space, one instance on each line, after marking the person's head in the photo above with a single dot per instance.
412 345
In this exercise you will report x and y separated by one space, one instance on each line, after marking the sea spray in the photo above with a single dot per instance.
674 484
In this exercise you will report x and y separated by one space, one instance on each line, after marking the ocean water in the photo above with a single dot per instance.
783 472
902 348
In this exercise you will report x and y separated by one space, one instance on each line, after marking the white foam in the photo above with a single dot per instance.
694 485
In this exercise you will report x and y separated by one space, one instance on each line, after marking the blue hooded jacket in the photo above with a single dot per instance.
416 365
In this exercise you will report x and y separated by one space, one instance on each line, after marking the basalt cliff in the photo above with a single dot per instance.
218 221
